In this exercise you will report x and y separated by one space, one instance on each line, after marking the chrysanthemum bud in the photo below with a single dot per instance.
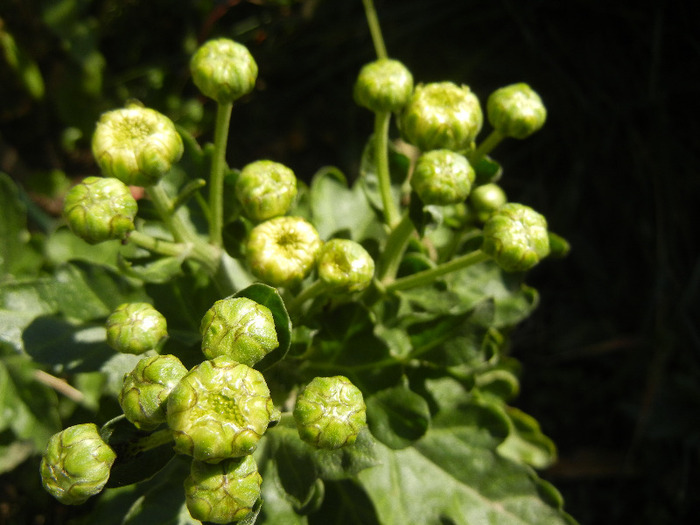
344 266
516 237
239 328
100 209
283 250
442 177
223 70
76 464
442 116
516 111
486 199
224 492
146 389
219 410
330 412
136 145
266 189
135 328
383 85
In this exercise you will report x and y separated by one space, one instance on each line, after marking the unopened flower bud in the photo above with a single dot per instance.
239 328
146 389
136 145
344 266
516 111
442 116
516 237
76 464
383 85
135 328
330 412
222 493
219 410
283 250
223 70
486 199
442 177
100 209
266 189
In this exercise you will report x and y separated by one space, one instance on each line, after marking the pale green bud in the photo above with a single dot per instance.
266 189
516 111
135 328
442 177
76 464
223 70
383 85
486 199
100 209
136 145
344 266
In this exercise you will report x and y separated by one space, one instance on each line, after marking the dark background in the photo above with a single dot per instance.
611 359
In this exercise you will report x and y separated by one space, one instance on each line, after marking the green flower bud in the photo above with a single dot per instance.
135 328
76 464
239 328
442 116
516 237
442 177
345 266
383 85
219 410
516 111
147 387
266 189
136 145
224 70
486 199
282 251
330 412
224 492
100 209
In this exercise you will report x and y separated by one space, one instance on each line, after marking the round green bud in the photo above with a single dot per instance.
516 237
282 251
146 389
266 189
100 209
224 492
239 328
223 70
136 145
330 412
516 111
441 115
135 328
76 464
383 85
344 266
219 410
486 199
442 177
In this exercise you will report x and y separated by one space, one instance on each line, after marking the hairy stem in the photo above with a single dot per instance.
216 182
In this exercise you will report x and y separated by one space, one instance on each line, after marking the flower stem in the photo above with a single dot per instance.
310 292
164 206
375 29
486 146
160 246
218 165
395 247
154 440
381 159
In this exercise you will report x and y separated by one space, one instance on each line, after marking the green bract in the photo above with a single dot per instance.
516 237
486 199
76 464
219 410
516 111
282 251
136 145
239 328
442 177
383 85
345 266
266 189
442 116
100 209
135 328
224 492
223 70
330 412
146 389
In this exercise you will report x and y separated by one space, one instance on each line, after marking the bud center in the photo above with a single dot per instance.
225 407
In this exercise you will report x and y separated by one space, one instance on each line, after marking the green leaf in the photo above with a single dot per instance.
526 443
278 506
159 270
487 171
397 416
23 65
399 165
16 255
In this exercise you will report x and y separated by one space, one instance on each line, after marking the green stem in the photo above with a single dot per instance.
394 249
310 292
375 29
218 166
181 231
381 159
486 146
154 440
163 247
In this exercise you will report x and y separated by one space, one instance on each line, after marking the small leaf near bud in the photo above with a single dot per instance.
442 177
265 189
383 85
344 266
486 199
516 111
223 70
135 328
